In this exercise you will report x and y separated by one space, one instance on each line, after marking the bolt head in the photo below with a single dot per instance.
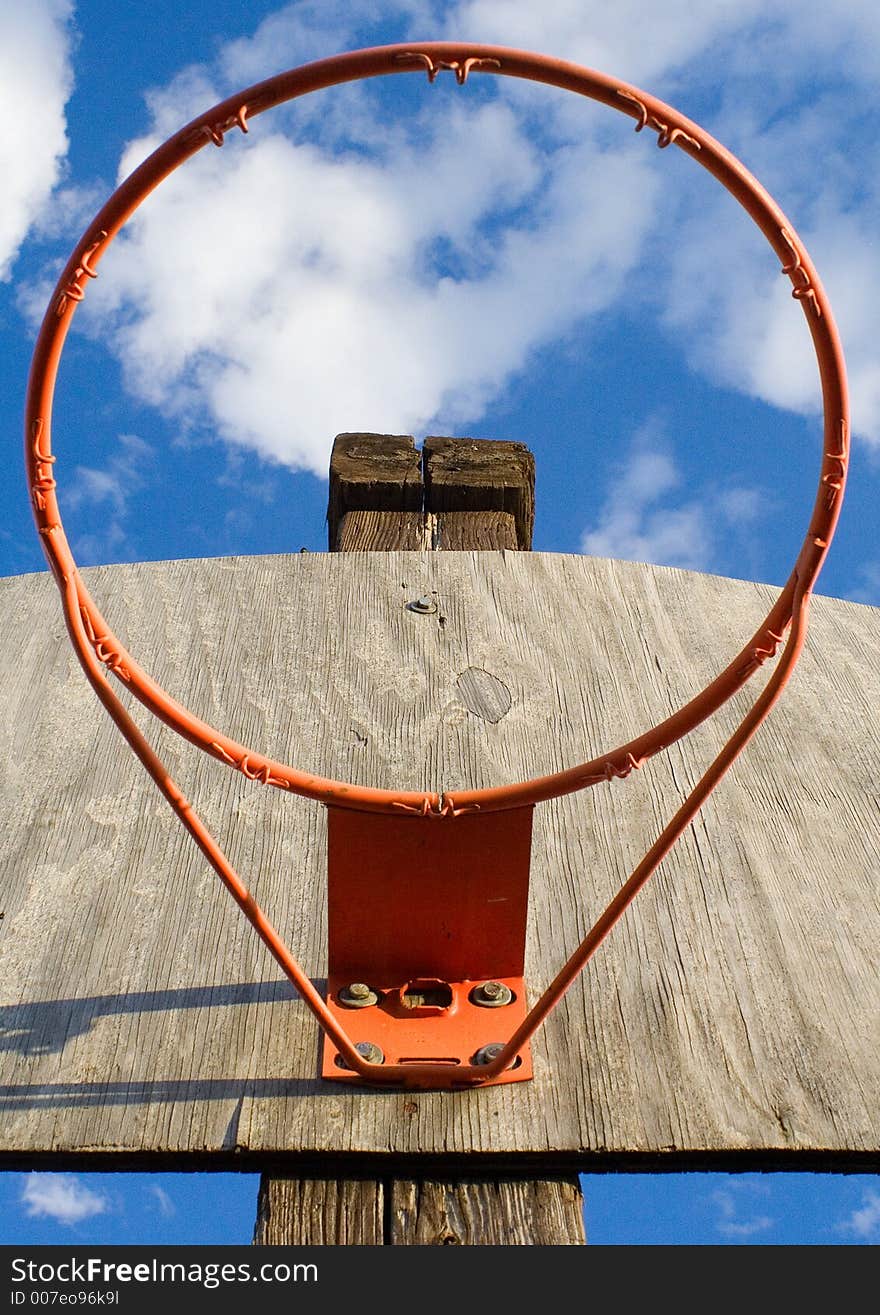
424 605
358 995
369 1051
489 1052
491 995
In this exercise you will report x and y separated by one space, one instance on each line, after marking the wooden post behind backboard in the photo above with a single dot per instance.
460 494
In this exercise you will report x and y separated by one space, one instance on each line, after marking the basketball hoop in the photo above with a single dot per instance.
461 813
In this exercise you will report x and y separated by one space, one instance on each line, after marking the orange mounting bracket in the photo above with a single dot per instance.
426 926
428 893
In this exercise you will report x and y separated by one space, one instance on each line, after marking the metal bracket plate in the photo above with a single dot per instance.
423 911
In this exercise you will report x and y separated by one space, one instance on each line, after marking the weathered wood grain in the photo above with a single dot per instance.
473 475
486 1212
467 1211
389 531
470 1211
382 531
456 494
734 1012
484 530
372 472
319 1212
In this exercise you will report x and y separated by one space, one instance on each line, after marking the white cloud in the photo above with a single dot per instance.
641 521
868 588
790 89
629 40
313 29
123 475
103 493
166 1206
279 294
347 266
62 1197
35 83
642 43
864 1223
66 214
793 104
295 34
733 311
730 1205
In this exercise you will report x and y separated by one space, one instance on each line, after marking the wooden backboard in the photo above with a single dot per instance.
734 1015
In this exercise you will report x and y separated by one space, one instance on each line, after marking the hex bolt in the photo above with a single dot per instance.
358 995
491 995
424 605
369 1051
489 1052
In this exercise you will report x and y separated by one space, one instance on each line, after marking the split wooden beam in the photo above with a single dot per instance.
456 494
462 494
419 1212
376 494
482 493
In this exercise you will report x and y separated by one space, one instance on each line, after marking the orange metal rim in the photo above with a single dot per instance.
100 651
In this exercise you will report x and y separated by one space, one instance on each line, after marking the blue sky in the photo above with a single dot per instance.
698 1209
500 261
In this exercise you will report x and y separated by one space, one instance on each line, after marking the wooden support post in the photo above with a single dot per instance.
376 494
458 493
319 1212
466 495
486 1212
482 493
408 1211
